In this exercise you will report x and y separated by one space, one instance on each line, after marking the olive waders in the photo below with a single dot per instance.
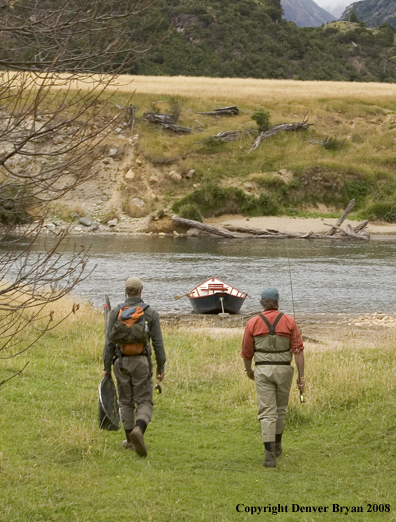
273 376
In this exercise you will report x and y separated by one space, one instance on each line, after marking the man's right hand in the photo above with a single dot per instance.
106 374
160 376
250 374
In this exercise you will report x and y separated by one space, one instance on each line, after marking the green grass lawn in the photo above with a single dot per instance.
204 443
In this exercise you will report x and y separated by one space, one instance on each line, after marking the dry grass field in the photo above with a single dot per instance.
253 90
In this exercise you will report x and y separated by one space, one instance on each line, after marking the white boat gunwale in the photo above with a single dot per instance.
214 286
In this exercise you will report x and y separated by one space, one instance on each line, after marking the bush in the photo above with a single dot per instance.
212 200
358 189
333 144
385 211
190 211
262 118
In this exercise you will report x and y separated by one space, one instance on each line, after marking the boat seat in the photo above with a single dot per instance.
217 288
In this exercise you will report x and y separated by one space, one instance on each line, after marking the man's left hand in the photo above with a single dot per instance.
160 376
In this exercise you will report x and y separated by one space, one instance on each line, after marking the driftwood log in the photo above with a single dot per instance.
226 136
160 119
207 228
287 127
176 129
349 207
222 111
167 122
350 233
234 232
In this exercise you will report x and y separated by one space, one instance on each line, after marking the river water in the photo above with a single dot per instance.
326 276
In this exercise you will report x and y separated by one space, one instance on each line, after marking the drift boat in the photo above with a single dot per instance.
214 297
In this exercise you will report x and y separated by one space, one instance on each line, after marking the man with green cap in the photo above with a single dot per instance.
271 338
132 364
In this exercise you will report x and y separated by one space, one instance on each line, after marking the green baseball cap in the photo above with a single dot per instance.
270 293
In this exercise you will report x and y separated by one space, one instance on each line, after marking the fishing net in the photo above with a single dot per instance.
109 411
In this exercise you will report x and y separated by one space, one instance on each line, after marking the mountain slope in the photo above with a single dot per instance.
373 12
305 13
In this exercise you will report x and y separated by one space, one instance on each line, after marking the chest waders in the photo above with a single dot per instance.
272 349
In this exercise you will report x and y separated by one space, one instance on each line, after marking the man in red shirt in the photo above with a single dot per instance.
271 338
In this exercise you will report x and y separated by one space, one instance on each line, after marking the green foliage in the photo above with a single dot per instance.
190 211
262 118
176 105
352 17
382 210
211 199
334 144
251 39
358 189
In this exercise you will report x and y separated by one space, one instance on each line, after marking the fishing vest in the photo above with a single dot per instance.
272 349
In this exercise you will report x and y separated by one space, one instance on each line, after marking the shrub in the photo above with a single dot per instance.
334 144
262 118
190 211
385 211
212 199
358 189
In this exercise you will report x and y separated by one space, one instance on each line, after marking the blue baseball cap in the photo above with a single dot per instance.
270 293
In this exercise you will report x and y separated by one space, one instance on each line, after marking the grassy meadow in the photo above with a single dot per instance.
204 443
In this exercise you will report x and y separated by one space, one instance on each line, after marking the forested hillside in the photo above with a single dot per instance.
248 38
229 38
373 12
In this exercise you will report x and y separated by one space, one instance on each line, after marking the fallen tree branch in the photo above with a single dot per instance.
361 226
349 232
244 230
207 228
349 207
177 129
222 111
287 127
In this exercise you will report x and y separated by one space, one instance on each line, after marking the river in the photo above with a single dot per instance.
325 276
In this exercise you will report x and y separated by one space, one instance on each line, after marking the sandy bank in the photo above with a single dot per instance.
303 225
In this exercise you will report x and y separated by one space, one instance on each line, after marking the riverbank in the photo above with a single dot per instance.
164 226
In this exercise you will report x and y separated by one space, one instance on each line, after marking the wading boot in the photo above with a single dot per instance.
270 458
278 449
127 444
137 440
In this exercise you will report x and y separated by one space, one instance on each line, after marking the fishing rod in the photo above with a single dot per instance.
302 400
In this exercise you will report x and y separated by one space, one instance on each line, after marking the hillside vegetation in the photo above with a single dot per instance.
248 38
348 152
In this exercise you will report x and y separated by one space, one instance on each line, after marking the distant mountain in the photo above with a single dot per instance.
305 13
373 12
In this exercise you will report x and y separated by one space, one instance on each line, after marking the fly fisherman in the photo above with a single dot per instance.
129 347
271 338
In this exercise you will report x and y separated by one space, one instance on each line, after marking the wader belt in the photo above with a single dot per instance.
283 363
